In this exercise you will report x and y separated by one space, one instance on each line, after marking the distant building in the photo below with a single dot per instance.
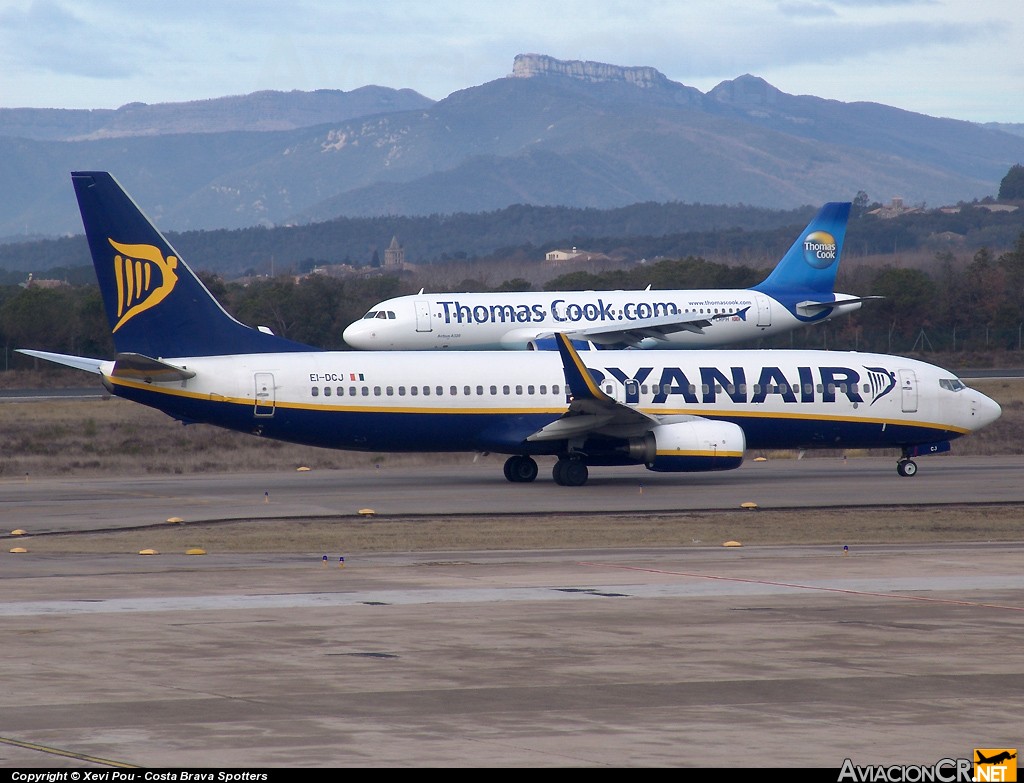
394 255
571 256
34 283
893 209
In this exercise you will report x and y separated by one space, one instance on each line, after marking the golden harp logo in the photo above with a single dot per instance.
143 277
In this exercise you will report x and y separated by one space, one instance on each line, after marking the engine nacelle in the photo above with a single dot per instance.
696 445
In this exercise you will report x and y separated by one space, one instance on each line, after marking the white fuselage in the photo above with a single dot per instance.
496 321
494 401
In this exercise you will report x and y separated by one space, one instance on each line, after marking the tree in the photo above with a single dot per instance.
1012 186
860 204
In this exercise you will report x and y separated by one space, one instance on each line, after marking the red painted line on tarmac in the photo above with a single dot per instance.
796 586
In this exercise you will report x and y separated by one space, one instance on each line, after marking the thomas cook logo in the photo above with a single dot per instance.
144 278
819 249
995 764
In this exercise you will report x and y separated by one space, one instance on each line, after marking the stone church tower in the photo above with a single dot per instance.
394 255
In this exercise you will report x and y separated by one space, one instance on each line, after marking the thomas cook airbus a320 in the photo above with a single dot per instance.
798 292
179 351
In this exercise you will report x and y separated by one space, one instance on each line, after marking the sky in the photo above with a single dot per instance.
962 59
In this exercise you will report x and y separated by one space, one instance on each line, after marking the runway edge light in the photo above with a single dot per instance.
18 550
148 552
732 543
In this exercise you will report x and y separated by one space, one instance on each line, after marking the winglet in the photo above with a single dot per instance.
577 376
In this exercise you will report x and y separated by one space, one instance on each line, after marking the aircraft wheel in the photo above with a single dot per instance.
906 467
570 473
557 470
520 469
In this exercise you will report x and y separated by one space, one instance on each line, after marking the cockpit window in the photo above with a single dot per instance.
382 313
952 384
371 314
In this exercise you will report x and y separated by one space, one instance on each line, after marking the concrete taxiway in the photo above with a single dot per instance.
792 656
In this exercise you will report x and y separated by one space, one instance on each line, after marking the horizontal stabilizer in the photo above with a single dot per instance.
837 304
136 367
78 362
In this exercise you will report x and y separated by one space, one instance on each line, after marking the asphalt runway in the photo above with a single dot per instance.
707 657
477 487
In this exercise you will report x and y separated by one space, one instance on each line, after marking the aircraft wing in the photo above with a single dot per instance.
631 333
590 409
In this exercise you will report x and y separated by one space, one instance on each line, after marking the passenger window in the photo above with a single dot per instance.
340 391
543 389
315 391
376 391
414 390
505 390
390 391
327 391
494 391
366 391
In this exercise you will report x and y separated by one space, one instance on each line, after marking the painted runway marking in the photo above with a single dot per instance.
65 753
820 588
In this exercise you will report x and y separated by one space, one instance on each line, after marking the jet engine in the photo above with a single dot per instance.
691 446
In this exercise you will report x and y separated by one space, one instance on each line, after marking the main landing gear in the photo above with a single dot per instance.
906 467
520 469
568 472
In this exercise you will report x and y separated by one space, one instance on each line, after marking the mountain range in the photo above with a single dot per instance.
553 132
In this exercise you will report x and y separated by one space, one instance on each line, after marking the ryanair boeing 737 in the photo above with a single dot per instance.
178 351
798 292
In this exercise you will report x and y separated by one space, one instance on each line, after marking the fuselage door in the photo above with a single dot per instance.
908 390
264 394
764 310
422 315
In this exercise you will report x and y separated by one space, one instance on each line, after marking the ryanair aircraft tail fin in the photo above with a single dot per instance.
155 304
810 265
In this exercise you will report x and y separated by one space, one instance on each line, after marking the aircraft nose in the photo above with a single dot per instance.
356 335
985 410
